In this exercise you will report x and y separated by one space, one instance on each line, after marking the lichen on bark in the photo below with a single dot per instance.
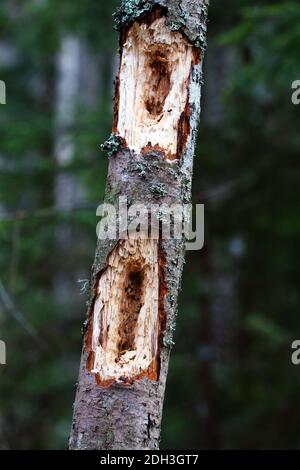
186 15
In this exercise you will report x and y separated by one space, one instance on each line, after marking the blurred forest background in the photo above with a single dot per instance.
231 382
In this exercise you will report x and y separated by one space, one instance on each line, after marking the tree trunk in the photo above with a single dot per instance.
135 282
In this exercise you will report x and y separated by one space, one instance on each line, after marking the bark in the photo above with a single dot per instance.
120 392
67 191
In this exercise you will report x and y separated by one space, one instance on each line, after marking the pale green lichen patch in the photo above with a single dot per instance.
158 190
180 22
131 10
168 341
111 145
201 39
84 286
140 168
177 17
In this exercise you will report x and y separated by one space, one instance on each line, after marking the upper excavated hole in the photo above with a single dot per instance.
153 88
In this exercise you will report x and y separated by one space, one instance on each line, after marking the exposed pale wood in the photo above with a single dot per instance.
125 317
154 73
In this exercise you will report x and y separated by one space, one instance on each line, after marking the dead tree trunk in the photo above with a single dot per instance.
135 282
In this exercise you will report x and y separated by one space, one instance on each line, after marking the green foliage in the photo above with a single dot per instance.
112 145
239 393
271 35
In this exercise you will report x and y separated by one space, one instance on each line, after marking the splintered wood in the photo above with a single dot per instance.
153 88
125 324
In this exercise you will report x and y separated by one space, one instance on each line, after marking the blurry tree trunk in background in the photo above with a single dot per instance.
68 83
217 340
135 282
67 191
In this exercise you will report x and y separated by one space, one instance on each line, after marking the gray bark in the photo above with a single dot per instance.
129 417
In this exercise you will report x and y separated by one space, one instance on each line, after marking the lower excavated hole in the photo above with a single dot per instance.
124 332
133 294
